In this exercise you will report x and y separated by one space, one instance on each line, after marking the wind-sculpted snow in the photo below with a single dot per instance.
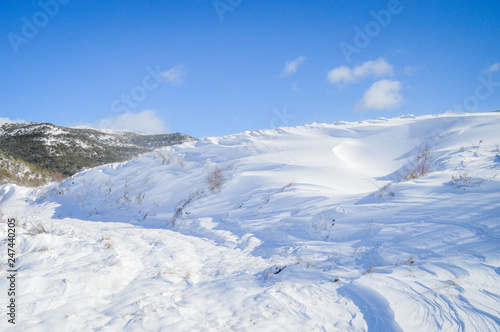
310 230
375 308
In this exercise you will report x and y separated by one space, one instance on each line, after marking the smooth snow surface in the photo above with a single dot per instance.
310 231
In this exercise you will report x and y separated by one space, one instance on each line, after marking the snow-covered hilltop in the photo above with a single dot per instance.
70 150
381 225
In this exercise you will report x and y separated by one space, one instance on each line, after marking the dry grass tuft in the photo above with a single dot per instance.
215 179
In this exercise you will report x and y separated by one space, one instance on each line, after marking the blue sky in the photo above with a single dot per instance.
210 68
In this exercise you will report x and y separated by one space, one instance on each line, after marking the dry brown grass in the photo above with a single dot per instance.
422 164
215 179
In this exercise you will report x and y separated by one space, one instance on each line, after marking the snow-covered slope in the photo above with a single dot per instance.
309 230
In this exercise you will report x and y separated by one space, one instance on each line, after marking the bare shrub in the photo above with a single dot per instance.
180 162
463 180
476 149
423 160
215 179
58 177
109 186
165 158
422 164
285 187
410 260
187 276
108 242
139 199
385 191
126 193
181 206
370 269
37 229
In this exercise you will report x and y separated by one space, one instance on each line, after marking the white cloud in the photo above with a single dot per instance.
145 121
175 74
7 120
291 67
493 68
410 70
384 94
346 75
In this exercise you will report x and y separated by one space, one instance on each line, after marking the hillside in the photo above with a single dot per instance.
323 227
15 170
70 150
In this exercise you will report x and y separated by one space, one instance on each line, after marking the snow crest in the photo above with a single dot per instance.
322 227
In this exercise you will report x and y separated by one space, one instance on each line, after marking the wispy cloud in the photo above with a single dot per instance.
291 67
175 74
344 75
493 68
7 120
384 94
145 122
411 70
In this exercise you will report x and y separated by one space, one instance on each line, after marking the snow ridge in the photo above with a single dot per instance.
311 230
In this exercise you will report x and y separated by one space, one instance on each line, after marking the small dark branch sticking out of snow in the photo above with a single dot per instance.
277 269
273 270
183 204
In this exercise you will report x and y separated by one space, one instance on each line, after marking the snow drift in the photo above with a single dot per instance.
312 228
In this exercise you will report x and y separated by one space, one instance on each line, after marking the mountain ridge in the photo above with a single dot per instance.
68 150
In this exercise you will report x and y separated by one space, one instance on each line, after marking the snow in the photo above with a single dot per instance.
310 231
31 128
